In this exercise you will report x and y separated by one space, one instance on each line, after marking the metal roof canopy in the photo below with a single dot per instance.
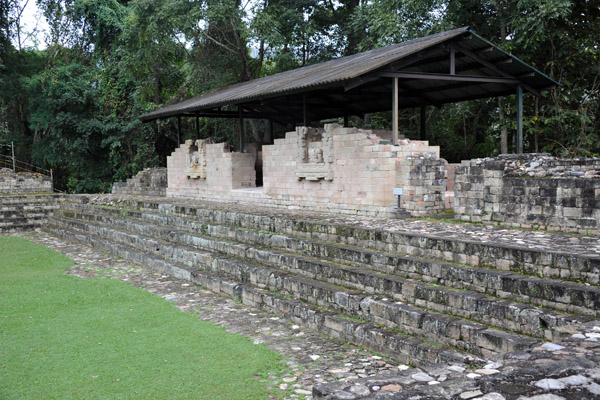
447 67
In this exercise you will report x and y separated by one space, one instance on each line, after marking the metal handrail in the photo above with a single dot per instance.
11 161
22 165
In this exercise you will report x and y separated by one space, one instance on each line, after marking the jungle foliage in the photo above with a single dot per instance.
73 106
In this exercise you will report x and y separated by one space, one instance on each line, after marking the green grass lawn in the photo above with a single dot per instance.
63 337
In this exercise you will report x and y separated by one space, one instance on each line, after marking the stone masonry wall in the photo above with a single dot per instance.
352 171
149 182
208 169
423 180
530 190
23 182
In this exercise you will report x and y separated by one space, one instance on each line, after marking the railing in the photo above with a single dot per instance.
21 166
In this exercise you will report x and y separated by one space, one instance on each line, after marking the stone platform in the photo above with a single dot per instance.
471 306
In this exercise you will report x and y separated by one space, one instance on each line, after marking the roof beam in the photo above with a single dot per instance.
494 68
226 114
416 58
485 50
358 82
447 77
448 87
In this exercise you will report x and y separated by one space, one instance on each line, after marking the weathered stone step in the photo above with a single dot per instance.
404 348
565 296
18 220
450 331
26 212
477 307
546 262
30 199
17 227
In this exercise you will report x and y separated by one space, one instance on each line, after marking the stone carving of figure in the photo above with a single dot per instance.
196 159
302 151
315 155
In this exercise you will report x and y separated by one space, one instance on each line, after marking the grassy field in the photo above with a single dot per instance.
63 337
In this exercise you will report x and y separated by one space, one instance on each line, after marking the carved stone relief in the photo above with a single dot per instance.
314 157
196 159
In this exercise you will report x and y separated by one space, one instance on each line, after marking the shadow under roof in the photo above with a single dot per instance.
447 67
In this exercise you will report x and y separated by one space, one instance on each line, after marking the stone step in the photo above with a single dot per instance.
477 307
404 348
543 262
26 212
30 199
560 295
449 331
18 227
20 213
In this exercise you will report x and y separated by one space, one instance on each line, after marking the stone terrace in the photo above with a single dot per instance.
427 293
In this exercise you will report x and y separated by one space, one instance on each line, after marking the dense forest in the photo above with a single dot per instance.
73 106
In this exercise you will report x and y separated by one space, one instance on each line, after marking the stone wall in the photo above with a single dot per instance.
23 182
423 180
198 168
149 182
27 211
531 190
339 170
352 171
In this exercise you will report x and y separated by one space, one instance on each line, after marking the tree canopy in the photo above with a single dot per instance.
73 106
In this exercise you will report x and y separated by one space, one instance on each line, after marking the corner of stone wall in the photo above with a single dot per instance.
423 180
468 191
148 182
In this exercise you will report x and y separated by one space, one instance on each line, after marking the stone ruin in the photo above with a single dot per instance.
149 182
354 171
472 307
334 169
23 182
530 191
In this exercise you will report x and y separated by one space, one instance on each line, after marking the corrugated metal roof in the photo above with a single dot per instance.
335 73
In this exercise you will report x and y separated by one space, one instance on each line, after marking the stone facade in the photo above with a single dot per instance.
149 182
339 170
352 171
23 182
201 169
531 190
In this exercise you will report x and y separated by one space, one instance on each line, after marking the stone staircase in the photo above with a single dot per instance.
418 298
26 211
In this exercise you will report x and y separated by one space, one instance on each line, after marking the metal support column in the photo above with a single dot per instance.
519 120
241 132
12 146
178 131
423 119
395 112
197 127
452 61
